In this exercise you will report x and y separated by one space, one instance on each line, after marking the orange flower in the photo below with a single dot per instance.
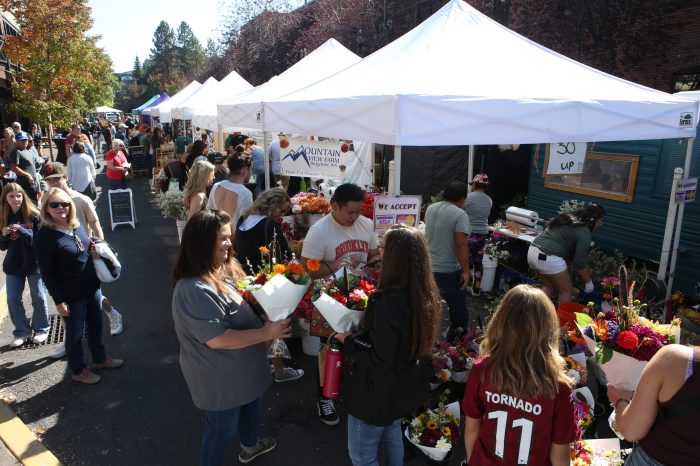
607 296
313 264
263 249
280 268
296 269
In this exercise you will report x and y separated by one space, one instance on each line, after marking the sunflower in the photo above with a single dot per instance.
432 425
446 431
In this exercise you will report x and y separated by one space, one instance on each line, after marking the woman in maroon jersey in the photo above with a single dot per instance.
518 398
664 412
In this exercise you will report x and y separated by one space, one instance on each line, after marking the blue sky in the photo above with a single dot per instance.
127 26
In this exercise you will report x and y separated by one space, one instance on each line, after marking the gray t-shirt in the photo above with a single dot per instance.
24 159
478 208
442 221
218 379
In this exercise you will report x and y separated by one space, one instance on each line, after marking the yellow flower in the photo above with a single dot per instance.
432 425
446 431
280 268
263 249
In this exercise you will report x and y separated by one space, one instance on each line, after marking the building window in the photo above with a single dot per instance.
608 176
687 80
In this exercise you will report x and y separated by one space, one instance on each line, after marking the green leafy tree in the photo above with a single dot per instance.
190 54
162 70
63 72
136 73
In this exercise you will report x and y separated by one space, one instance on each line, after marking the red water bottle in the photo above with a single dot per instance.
333 374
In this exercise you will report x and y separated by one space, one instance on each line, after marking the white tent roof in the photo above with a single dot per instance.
162 110
105 109
204 114
461 78
181 111
692 95
243 110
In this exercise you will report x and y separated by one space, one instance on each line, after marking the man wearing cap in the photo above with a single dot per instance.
22 163
478 208
56 176
121 133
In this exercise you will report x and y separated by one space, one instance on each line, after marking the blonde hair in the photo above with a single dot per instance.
267 201
83 137
197 179
521 346
28 208
12 132
62 196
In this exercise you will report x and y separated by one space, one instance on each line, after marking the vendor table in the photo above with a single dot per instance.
525 234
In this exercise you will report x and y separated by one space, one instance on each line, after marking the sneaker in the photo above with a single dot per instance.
264 445
115 323
86 377
108 363
59 352
17 342
289 374
40 337
326 411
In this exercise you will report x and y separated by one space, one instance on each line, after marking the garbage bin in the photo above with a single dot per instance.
61 155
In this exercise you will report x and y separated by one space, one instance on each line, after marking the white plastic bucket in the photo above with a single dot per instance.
310 344
489 275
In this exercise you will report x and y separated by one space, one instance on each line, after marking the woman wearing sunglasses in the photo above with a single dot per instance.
65 257
116 169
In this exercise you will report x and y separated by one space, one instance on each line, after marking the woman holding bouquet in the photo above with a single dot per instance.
223 351
567 237
518 399
387 374
664 412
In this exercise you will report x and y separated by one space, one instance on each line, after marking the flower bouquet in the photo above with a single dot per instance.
435 431
278 289
308 208
623 341
584 403
598 452
456 357
576 368
343 300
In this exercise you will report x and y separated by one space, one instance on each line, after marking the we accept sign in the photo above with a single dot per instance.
396 210
315 159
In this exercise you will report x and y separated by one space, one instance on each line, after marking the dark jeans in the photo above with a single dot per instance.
117 184
456 298
221 426
477 241
82 312
90 191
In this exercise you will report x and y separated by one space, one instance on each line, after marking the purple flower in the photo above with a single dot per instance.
588 331
612 329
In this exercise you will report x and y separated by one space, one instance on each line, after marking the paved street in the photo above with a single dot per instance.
142 413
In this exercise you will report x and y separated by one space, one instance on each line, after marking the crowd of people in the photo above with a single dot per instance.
49 235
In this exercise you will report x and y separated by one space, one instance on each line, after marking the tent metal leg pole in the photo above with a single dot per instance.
266 145
679 223
668 232
397 171
470 168
222 149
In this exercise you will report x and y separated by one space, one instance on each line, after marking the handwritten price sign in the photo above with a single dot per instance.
566 158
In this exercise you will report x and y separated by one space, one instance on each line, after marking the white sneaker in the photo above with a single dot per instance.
59 352
115 323
17 342
40 337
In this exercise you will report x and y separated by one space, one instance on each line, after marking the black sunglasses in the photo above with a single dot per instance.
54 204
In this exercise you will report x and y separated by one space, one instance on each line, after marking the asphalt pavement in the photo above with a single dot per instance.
142 413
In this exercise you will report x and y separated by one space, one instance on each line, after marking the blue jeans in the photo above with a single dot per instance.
81 312
117 184
456 298
221 426
368 444
40 315
639 457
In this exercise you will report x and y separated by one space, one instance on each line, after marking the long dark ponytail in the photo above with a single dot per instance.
583 216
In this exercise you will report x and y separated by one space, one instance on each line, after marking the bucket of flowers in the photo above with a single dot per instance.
435 431
623 341
343 300
277 289
459 354
308 208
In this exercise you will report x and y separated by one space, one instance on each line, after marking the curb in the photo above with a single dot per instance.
22 442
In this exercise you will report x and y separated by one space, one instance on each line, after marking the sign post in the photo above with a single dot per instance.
396 210
121 207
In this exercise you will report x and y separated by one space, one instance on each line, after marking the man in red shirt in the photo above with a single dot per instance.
71 138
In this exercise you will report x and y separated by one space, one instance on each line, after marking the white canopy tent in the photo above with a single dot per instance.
243 111
162 110
106 109
203 110
182 110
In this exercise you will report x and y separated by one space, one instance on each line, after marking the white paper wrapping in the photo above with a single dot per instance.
279 297
340 318
587 395
521 216
432 452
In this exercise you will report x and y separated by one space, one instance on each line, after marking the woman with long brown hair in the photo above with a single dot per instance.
518 398
223 351
392 378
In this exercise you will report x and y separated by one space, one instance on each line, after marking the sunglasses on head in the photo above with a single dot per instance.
54 204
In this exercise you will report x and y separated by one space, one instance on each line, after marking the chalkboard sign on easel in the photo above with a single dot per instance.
138 159
121 207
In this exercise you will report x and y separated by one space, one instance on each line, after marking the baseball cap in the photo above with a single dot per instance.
122 126
54 170
482 178
21 136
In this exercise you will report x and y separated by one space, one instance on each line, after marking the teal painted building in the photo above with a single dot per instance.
637 204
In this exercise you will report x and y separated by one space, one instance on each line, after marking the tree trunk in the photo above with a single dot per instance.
50 131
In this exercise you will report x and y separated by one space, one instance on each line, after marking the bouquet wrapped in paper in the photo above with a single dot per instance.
435 431
277 289
454 359
623 341
343 301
